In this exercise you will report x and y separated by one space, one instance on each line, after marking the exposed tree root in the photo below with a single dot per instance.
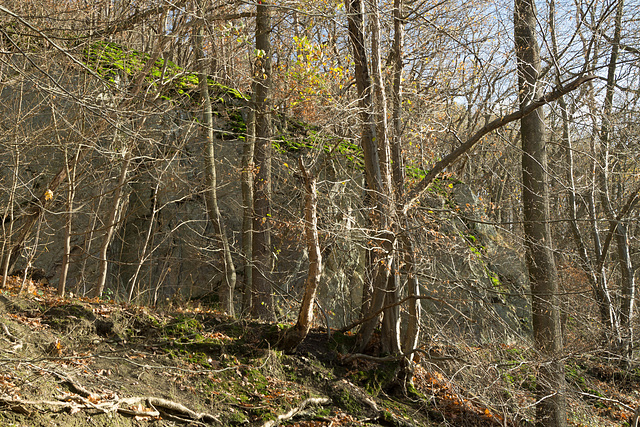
131 406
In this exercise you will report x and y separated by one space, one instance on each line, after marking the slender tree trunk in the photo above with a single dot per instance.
410 340
110 226
143 253
597 275
8 216
373 174
551 407
227 288
262 296
624 334
391 317
628 289
295 335
247 203
67 227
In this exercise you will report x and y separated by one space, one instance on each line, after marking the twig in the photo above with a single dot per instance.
627 407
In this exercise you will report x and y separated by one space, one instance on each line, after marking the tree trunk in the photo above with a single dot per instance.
597 275
628 290
396 146
226 290
363 83
110 226
295 335
627 275
247 203
67 226
379 256
550 383
262 297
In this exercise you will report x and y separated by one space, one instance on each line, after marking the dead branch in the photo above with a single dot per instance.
177 407
294 411
352 356
17 344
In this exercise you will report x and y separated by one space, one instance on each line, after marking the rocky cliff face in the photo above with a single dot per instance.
163 242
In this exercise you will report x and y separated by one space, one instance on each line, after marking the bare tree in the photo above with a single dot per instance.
262 296
550 386
227 288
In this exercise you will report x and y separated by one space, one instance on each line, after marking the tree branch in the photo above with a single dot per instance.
402 301
422 186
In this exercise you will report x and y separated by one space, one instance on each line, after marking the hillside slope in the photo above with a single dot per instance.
73 362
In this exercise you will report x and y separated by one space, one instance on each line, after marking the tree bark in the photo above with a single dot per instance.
550 383
625 333
295 335
246 179
110 225
261 292
373 174
228 285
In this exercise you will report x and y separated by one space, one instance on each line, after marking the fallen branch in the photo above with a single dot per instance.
605 399
352 356
123 406
294 411
17 344
177 407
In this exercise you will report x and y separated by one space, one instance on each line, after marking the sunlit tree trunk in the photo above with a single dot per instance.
227 287
247 203
262 297
64 269
543 277
295 335
374 301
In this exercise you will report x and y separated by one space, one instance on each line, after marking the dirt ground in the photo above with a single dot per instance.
80 362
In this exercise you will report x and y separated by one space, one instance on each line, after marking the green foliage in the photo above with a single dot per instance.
237 124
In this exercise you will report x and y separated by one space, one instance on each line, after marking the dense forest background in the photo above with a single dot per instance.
422 173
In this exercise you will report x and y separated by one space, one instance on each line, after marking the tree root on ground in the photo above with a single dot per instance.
131 406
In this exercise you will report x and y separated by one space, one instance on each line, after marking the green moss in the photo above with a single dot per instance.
495 280
110 59
347 402
375 380
183 326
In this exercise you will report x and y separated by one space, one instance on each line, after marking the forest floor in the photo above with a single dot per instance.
81 362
